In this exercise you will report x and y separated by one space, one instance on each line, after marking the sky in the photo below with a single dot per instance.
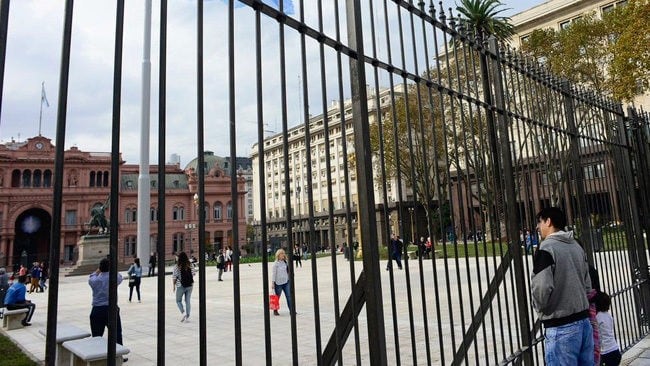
33 56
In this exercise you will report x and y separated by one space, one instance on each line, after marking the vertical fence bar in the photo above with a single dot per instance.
509 201
262 183
200 206
162 218
577 167
113 309
366 207
57 202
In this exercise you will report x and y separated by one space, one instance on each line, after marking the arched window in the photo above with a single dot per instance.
15 178
217 214
105 179
130 215
129 246
98 183
37 178
207 211
92 179
178 213
229 211
178 242
27 178
47 178
153 214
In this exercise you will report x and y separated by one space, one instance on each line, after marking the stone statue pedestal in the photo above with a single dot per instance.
91 250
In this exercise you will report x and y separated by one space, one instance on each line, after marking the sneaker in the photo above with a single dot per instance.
124 359
275 312
25 324
183 318
187 319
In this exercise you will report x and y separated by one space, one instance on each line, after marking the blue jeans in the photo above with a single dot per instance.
187 291
570 344
284 288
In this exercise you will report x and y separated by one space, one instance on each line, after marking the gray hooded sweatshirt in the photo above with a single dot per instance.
560 281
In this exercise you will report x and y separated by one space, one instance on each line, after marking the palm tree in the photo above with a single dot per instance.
482 18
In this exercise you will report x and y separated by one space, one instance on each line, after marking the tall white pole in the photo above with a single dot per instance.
144 188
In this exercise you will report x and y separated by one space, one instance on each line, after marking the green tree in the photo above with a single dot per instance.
482 18
608 54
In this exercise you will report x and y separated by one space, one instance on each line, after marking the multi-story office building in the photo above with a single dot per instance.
274 191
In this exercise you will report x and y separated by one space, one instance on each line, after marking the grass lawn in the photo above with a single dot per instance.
12 355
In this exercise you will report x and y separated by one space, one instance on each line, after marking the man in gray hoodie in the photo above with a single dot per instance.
559 287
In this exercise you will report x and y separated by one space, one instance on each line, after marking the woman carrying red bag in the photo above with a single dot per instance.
280 278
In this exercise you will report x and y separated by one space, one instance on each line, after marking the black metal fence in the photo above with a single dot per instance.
452 138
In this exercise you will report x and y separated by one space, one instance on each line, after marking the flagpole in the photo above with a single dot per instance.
144 188
40 115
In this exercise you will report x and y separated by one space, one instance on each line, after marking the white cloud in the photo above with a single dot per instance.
34 55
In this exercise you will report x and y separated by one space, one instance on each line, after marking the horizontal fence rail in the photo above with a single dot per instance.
404 172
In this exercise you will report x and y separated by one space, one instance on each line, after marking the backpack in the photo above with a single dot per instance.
186 277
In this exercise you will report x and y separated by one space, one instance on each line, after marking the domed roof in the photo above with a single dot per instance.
210 161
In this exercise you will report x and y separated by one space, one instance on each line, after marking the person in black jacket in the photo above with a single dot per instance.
152 264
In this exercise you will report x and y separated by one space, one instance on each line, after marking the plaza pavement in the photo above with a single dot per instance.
139 320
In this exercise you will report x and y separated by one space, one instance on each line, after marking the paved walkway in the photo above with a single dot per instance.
139 320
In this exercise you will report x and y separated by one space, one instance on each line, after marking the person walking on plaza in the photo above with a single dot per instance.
395 251
182 281
221 263
610 352
227 254
152 264
135 277
4 280
297 256
559 287
35 274
15 299
99 283
280 278
44 276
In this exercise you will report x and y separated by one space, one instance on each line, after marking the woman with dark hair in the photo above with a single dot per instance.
182 281
135 276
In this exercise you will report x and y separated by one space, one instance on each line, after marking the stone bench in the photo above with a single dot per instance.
12 319
93 351
412 254
64 333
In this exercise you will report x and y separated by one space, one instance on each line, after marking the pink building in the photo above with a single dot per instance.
26 184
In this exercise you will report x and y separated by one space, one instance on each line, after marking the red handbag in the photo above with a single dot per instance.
274 302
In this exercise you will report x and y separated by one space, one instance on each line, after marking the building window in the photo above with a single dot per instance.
130 215
71 217
178 213
153 214
178 242
15 178
129 246
229 211
217 211
565 24
47 178
37 178
92 179
27 178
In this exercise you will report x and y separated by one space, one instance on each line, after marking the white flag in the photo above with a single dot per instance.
43 96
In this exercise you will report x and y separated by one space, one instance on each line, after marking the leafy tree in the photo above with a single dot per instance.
609 55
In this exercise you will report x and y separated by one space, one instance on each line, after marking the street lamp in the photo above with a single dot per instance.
411 209
189 228
299 213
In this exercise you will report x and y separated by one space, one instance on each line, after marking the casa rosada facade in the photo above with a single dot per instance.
26 188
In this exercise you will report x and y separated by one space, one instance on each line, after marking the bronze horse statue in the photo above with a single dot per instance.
98 218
